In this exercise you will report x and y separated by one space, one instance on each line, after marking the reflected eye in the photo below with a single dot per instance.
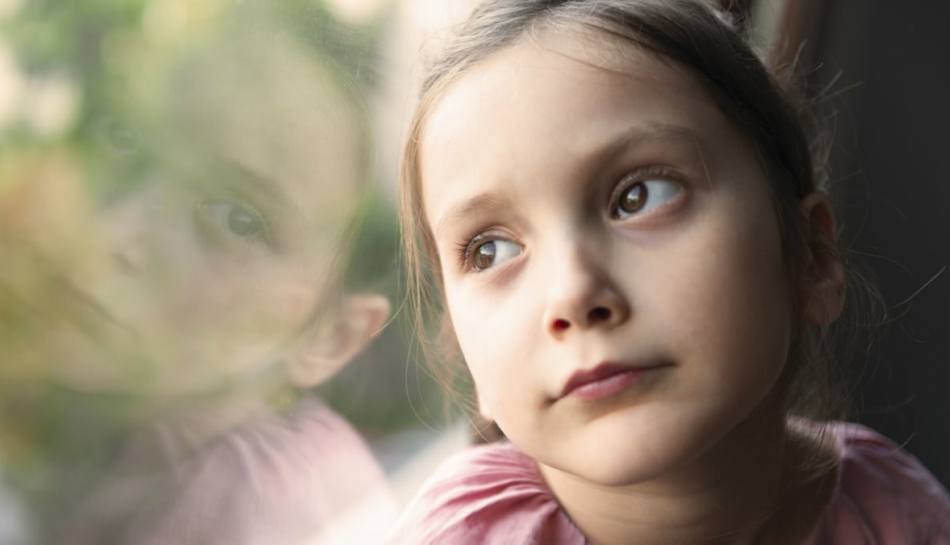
117 135
643 196
494 252
238 220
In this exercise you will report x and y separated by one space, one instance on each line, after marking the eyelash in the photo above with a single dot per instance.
653 173
465 250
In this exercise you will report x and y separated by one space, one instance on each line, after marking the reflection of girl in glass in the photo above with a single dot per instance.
210 299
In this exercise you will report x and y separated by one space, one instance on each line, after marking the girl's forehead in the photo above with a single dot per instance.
579 57
575 88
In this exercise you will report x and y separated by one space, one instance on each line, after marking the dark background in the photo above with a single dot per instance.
891 165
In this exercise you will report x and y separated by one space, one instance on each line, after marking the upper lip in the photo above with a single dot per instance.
600 372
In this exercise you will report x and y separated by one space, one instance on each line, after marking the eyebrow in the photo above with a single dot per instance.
641 133
251 182
474 205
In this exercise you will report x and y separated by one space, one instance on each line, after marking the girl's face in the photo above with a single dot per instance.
212 266
611 259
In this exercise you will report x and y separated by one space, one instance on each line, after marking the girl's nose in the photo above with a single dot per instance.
582 295
124 235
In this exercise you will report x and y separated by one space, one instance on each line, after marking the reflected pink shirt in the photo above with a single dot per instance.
494 495
272 479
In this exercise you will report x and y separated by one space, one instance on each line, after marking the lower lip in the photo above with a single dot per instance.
612 385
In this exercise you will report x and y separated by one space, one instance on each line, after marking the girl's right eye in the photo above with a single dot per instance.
489 253
240 221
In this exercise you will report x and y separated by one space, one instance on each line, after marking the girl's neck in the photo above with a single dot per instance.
754 486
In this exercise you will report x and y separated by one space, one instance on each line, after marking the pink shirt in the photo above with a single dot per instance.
494 495
271 479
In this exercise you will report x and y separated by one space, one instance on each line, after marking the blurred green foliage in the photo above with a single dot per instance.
78 68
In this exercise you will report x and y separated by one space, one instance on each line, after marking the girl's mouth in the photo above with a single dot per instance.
604 380
86 312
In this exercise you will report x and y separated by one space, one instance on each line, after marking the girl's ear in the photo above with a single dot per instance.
319 356
822 286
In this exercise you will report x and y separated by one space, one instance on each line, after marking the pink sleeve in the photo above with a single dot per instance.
280 481
884 496
488 495
277 479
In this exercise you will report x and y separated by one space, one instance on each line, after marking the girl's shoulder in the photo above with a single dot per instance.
883 495
494 494
489 494
275 478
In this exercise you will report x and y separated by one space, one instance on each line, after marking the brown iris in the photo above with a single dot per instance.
633 199
485 256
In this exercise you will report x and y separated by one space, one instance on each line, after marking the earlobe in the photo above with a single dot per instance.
321 355
823 282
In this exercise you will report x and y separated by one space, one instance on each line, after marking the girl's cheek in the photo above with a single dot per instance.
265 296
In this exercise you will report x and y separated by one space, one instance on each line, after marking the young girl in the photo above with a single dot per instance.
623 220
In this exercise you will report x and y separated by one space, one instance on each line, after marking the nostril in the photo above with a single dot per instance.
599 314
560 325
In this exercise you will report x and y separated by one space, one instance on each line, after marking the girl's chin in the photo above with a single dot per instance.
636 446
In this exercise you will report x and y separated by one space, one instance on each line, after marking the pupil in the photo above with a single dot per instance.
243 223
633 198
485 255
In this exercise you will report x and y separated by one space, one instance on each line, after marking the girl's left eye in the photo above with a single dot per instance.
485 254
238 220
642 196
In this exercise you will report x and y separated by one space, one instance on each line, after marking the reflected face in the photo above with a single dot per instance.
213 265
612 263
